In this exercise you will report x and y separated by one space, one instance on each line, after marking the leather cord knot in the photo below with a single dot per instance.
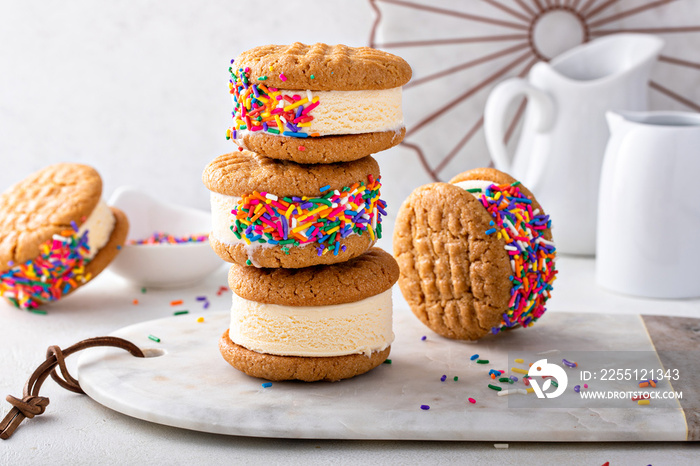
31 404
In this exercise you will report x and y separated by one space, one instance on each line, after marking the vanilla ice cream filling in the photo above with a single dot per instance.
99 226
362 327
222 219
354 112
333 113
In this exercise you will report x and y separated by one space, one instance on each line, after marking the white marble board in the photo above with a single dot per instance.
192 387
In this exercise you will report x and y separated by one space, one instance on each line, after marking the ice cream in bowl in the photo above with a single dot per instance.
167 244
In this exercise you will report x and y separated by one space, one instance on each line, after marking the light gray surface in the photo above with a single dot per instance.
76 429
188 385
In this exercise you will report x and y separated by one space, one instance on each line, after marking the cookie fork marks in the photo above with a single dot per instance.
454 277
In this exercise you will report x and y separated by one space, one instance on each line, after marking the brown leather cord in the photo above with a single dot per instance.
31 403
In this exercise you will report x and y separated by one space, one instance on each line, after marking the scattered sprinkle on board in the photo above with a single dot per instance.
154 338
569 363
424 407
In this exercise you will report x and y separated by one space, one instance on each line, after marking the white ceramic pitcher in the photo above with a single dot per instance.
649 211
560 151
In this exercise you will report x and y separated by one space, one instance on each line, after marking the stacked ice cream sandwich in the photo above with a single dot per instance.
297 210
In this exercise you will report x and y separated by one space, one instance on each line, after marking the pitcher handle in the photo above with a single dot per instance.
497 104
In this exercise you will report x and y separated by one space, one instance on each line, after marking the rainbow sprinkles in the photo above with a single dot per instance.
160 237
261 108
532 257
58 270
264 218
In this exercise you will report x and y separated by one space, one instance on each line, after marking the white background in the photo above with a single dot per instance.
139 90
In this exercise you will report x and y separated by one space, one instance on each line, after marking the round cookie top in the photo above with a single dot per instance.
43 204
243 172
368 275
321 67
453 275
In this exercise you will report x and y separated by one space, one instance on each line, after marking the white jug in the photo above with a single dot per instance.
560 151
649 211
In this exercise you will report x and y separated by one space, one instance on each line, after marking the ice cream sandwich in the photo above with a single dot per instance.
56 234
326 322
476 255
317 103
276 213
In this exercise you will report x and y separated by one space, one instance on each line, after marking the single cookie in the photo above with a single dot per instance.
476 257
55 234
273 213
322 67
276 368
370 274
319 323
294 102
327 149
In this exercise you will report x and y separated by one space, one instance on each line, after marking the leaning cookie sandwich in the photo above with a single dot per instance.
56 234
476 255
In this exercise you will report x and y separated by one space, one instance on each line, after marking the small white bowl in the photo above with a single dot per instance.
162 265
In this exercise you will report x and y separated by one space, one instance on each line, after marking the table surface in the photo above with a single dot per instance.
78 430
